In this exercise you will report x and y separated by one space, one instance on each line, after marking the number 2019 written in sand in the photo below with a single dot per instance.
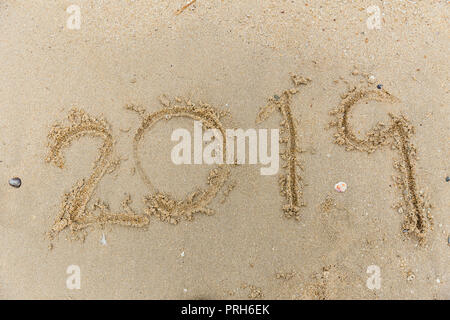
77 213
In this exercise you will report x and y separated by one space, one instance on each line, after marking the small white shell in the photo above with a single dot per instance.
103 240
340 186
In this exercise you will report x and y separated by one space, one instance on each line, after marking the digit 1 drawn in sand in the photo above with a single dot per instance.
291 183
162 205
414 206
74 213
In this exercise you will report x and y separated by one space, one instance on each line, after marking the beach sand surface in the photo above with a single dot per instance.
233 56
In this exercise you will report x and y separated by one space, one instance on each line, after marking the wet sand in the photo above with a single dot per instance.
86 121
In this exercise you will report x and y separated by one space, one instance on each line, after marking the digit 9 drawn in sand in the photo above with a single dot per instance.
291 183
414 206
75 214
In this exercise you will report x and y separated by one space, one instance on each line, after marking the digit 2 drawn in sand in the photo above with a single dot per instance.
74 212
291 182
414 206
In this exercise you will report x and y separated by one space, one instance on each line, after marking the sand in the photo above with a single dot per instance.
87 116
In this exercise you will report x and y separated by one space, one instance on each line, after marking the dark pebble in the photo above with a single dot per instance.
447 179
15 182
379 86
277 97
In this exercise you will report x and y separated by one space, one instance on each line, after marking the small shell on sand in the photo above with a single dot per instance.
15 182
103 240
340 186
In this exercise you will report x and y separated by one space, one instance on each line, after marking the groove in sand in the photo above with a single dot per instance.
291 182
74 213
414 207
162 205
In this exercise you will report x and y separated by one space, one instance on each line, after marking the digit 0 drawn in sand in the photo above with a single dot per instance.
74 213
414 206
163 205
291 182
